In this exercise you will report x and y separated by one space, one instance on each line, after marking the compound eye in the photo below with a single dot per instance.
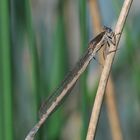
109 30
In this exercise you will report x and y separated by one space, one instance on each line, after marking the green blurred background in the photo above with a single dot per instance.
40 41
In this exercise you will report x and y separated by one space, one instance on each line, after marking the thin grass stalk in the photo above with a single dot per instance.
112 111
106 71
110 92
95 15
6 70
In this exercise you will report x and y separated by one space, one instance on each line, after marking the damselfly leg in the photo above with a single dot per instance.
110 39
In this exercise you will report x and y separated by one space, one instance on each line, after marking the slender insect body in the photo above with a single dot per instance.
106 38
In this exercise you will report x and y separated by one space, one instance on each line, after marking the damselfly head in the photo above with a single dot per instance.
107 29
109 37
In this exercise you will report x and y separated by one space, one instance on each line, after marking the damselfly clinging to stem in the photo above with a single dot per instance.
106 37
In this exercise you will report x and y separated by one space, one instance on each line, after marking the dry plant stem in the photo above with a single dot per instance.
106 71
112 111
95 14
110 92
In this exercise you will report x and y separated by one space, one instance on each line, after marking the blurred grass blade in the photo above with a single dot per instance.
6 70
83 89
34 58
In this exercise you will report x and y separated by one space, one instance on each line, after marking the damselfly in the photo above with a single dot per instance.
106 37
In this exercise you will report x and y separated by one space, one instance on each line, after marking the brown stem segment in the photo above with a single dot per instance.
112 112
106 71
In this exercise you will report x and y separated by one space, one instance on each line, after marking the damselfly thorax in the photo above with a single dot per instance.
105 38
